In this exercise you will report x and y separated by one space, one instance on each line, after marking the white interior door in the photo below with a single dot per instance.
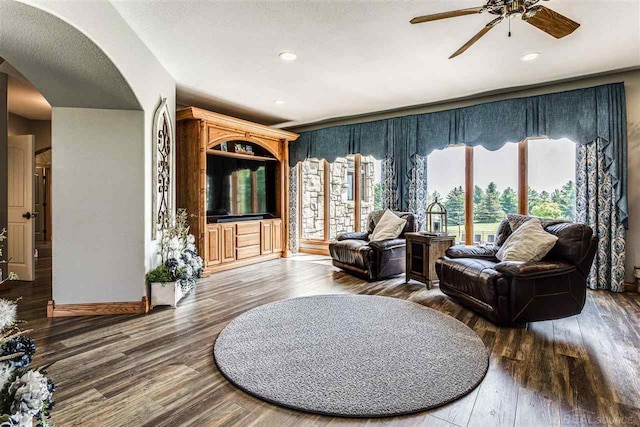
20 232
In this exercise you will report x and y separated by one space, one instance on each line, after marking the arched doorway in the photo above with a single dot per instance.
99 129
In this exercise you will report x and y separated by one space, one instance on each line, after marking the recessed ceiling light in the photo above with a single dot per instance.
530 56
288 56
279 101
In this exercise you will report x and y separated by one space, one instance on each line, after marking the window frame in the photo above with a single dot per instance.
523 185
321 246
311 245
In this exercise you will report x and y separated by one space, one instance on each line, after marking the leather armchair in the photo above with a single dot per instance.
355 254
518 292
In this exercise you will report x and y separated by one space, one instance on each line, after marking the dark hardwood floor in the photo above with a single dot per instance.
158 369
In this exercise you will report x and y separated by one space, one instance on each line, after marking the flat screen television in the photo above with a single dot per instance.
240 187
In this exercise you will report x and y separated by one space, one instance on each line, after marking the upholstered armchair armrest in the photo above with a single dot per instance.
357 235
383 245
472 251
534 269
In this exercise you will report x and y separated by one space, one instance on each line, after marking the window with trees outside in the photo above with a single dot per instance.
337 197
535 177
551 178
495 189
446 182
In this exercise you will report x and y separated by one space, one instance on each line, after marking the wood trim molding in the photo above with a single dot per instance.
523 178
97 308
314 251
327 199
631 287
233 123
299 230
286 252
468 195
357 162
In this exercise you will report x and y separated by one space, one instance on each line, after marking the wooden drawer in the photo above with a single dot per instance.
248 240
248 228
247 252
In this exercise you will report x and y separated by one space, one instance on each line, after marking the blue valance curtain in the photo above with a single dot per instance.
582 115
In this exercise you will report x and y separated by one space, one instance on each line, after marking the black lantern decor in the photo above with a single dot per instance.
437 218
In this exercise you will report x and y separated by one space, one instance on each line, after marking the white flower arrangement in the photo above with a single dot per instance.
8 312
26 395
6 373
29 393
179 255
11 276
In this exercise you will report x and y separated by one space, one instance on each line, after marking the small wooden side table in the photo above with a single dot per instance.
422 253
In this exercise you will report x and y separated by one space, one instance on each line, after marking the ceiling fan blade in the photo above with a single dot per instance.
549 21
477 37
445 15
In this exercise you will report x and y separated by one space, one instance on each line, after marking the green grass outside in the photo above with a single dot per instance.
483 229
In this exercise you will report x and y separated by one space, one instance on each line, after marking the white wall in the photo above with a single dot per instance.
40 129
123 249
98 250
631 81
18 125
147 77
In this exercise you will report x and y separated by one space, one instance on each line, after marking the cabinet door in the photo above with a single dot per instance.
228 245
267 237
214 238
277 236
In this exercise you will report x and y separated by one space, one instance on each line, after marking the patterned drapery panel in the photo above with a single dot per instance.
418 190
596 206
294 243
389 194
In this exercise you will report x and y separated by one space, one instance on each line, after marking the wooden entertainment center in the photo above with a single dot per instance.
226 242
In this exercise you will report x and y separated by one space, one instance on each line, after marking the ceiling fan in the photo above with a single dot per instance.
541 17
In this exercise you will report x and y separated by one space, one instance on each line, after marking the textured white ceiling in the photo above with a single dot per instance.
23 98
37 44
356 57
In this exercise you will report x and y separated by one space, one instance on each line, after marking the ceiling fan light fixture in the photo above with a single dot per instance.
288 56
532 56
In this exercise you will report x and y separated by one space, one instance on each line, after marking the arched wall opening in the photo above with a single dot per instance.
101 138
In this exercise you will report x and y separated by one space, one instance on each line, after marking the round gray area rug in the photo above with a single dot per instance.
351 355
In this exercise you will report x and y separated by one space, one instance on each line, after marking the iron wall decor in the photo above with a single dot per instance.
163 174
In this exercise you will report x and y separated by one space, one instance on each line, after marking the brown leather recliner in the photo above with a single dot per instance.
355 254
517 292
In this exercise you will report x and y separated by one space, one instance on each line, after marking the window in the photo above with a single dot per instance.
312 177
370 188
535 177
552 188
495 189
337 198
342 196
446 182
